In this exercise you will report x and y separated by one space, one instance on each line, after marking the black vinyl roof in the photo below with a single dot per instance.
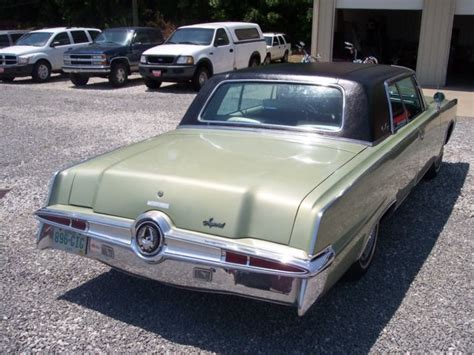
366 111
360 73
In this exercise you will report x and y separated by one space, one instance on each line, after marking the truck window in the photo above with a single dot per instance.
4 41
155 36
142 37
221 38
192 35
245 34
275 41
62 39
15 37
93 34
282 41
79 37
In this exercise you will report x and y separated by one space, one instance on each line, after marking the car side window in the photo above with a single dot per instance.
398 112
93 34
141 38
221 38
410 96
79 37
4 41
61 39
155 36
275 41
282 41
16 36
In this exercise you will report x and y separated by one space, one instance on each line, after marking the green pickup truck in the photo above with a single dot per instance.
272 186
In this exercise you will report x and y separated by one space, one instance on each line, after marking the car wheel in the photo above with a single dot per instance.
79 80
8 79
360 267
119 75
435 167
267 60
41 71
152 84
201 76
285 58
253 63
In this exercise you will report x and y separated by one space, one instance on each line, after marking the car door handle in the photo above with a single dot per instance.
231 50
211 53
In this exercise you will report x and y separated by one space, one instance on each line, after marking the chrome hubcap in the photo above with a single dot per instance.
202 78
43 72
368 252
121 75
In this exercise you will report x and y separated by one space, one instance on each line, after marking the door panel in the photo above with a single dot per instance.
62 42
223 52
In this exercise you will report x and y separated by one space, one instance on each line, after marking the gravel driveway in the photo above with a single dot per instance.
418 296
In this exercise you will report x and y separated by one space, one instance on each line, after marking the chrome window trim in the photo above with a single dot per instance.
275 126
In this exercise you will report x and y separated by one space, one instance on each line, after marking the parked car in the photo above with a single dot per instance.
195 53
40 53
115 54
278 47
9 38
272 187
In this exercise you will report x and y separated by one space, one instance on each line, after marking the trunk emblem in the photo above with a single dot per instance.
211 224
149 238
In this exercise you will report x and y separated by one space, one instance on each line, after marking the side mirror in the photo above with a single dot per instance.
302 44
438 97
55 44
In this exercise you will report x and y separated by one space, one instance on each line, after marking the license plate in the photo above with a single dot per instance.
1 70
156 73
71 242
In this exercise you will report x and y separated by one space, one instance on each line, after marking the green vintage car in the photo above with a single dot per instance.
272 186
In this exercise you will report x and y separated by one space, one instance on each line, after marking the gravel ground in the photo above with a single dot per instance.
418 295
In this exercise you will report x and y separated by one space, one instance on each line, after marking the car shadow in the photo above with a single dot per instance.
105 85
175 88
55 78
348 319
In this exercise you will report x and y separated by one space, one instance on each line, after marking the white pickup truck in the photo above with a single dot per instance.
40 53
278 47
195 53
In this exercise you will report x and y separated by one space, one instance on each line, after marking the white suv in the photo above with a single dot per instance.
39 53
195 53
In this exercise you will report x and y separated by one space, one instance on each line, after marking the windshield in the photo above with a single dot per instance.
272 103
268 40
37 39
198 36
120 37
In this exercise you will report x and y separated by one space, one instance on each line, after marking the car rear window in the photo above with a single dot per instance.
244 34
79 36
293 105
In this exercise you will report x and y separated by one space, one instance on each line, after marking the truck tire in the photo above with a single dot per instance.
285 57
268 60
253 62
78 79
41 71
118 76
201 76
152 84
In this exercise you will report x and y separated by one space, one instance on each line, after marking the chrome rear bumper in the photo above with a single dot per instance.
197 261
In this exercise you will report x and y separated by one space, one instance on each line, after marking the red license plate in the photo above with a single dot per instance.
1 70
156 73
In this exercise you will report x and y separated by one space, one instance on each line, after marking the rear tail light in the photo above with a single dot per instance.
68 222
242 259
